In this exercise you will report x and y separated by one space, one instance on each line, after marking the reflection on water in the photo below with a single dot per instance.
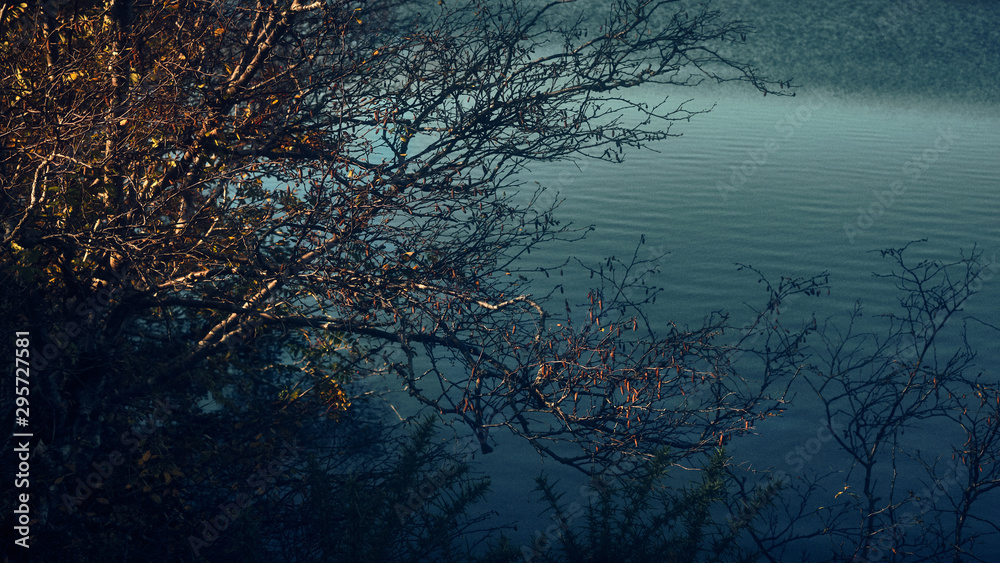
794 187
889 139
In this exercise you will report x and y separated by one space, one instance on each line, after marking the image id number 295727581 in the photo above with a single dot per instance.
22 438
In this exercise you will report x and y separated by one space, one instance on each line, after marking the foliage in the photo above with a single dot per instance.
383 498
244 210
643 519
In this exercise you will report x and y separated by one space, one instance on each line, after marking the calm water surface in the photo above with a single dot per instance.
793 186
797 186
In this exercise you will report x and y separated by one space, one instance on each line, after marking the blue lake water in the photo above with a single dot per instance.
793 186
894 137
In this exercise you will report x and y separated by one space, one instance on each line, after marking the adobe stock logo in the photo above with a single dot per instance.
785 128
911 171
257 485
900 15
132 438
796 459
432 484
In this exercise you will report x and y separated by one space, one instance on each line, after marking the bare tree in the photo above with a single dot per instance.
327 189
883 390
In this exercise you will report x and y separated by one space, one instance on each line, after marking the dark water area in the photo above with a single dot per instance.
742 185
938 52
928 51
796 186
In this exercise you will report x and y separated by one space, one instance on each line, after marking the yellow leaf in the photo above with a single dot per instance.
146 456
220 31
166 477
123 122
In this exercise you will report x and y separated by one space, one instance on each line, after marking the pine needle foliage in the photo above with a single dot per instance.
644 518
